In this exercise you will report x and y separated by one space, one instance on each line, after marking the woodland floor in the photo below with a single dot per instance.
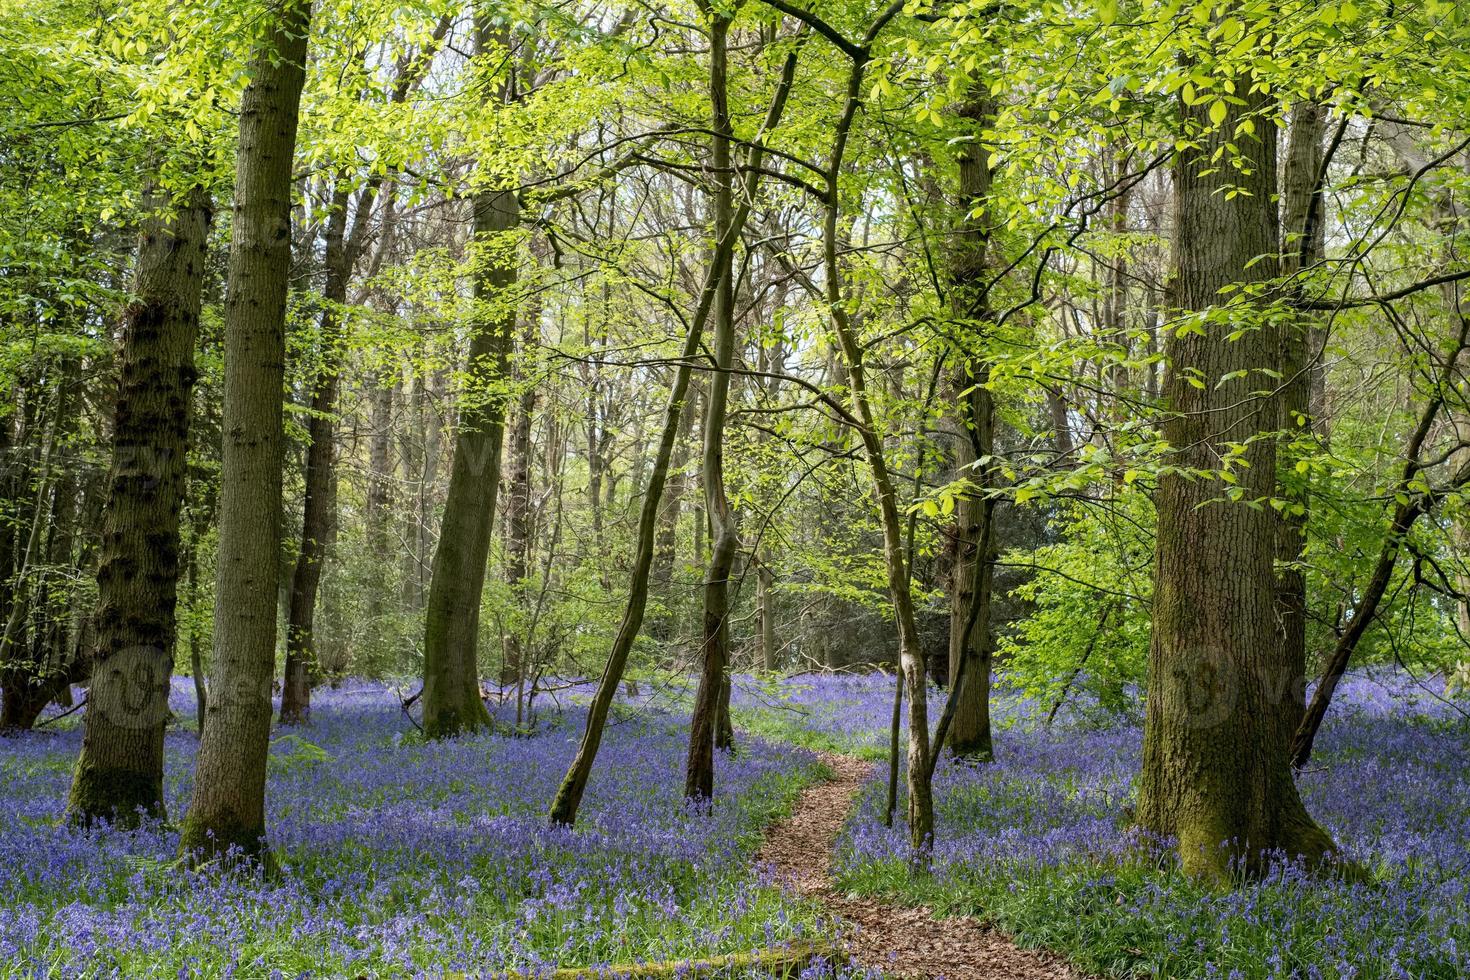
900 941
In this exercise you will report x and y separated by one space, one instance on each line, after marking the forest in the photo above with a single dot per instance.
735 488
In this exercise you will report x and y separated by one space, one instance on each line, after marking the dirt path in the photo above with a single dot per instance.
902 942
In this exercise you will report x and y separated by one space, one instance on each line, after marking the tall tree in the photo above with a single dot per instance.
972 573
227 808
318 506
120 771
1216 776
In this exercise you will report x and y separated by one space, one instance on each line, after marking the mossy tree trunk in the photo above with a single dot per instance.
1216 776
120 771
451 694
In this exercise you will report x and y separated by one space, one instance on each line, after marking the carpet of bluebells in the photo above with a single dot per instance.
401 858
405 858
1038 842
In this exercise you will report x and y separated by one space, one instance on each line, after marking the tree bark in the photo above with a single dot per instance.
120 772
227 809
666 544
1216 777
451 698
972 573
910 650
518 523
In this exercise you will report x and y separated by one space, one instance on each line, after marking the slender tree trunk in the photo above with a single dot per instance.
569 796
666 544
196 652
765 584
518 544
120 772
23 690
1216 774
1409 504
378 510
227 809
699 776
318 507
1301 219
910 650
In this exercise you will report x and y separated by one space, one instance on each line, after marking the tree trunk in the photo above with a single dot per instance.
227 809
1302 224
699 775
1409 503
972 573
318 506
910 650
765 583
1216 776
451 696
120 772
518 543
665 548
24 690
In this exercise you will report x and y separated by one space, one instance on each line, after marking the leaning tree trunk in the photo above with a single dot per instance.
1216 777
574 784
120 772
1410 502
704 725
910 650
227 809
